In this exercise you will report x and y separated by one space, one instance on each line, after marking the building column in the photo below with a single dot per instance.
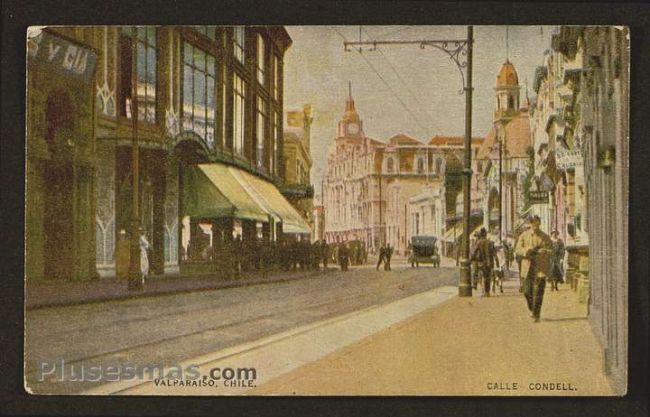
171 233
105 216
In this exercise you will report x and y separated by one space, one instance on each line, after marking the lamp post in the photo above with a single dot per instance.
460 52
135 282
498 146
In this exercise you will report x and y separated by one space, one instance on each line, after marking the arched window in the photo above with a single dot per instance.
511 103
439 165
389 165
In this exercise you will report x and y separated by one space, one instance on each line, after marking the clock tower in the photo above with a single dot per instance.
350 125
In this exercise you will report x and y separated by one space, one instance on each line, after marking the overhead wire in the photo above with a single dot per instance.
406 86
408 110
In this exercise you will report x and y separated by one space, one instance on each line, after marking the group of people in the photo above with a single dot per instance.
385 254
123 253
539 257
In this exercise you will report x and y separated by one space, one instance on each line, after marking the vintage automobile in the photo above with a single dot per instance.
423 249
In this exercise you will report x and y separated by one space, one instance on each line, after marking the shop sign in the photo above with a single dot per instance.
539 197
63 56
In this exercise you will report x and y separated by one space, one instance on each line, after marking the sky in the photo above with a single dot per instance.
402 88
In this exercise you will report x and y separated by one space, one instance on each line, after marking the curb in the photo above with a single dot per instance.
208 287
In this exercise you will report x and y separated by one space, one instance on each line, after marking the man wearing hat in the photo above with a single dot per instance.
535 249
485 255
475 265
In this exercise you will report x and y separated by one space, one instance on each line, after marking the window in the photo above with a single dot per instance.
199 95
276 76
389 165
420 165
277 122
208 31
145 72
238 114
261 60
439 166
261 131
239 43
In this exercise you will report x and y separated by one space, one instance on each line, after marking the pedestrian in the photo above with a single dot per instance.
485 255
389 254
557 270
144 257
344 256
506 254
382 257
474 264
535 249
324 253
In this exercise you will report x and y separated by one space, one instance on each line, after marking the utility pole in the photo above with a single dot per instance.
465 284
460 52
135 280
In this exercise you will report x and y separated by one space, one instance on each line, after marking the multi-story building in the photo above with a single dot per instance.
503 160
369 186
202 105
296 139
580 134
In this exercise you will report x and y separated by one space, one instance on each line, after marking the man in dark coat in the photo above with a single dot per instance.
344 256
557 269
324 253
475 266
382 257
485 256
389 254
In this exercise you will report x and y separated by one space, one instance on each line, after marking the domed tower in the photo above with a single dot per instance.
506 92
351 124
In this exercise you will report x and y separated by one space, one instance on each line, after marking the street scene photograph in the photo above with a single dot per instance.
327 210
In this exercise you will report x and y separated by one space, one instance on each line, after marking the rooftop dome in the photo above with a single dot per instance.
507 76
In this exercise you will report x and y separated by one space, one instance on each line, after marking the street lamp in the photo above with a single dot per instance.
460 52
135 274
498 146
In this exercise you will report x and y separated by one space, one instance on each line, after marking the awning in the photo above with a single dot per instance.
454 232
254 193
292 221
457 232
242 205
201 198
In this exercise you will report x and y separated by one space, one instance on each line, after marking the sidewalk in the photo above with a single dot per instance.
465 346
66 293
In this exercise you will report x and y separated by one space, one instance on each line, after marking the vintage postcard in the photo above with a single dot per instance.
327 210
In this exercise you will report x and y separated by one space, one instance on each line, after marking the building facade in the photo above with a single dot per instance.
503 159
385 192
581 141
296 139
203 95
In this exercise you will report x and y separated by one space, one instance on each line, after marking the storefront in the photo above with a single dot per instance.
60 165
225 208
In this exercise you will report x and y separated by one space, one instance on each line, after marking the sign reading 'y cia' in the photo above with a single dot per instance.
62 55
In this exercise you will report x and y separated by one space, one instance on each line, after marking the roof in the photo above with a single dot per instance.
403 139
507 76
517 138
375 142
453 140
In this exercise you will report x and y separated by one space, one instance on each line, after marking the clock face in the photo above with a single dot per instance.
353 128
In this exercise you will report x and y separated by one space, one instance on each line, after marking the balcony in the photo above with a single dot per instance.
297 191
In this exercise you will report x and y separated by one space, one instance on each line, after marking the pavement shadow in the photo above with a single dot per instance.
566 319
